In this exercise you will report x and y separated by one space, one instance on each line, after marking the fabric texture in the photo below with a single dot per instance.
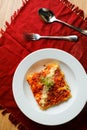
14 47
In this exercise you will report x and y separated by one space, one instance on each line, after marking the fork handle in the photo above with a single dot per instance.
69 38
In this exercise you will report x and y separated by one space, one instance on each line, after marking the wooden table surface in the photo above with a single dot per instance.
7 7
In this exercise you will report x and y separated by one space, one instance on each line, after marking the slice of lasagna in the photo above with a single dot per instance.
49 86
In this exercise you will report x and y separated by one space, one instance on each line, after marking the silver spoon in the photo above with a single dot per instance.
48 16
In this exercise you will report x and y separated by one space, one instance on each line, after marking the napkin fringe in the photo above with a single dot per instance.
74 8
15 14
12 118
14 121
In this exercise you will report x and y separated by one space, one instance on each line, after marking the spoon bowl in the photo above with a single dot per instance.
46 15
49 17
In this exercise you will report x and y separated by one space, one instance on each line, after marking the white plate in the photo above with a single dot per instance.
75 76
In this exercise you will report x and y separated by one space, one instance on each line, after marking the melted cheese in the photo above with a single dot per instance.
52 70
44 96
45 90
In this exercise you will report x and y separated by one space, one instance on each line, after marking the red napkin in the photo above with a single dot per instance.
14 47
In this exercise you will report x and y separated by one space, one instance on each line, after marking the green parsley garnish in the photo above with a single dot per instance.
47 81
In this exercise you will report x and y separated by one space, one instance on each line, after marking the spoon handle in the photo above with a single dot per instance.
73 27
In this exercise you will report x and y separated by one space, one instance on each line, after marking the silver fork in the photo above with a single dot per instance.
34 36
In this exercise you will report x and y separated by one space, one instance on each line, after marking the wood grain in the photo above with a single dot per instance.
7 8
82 4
